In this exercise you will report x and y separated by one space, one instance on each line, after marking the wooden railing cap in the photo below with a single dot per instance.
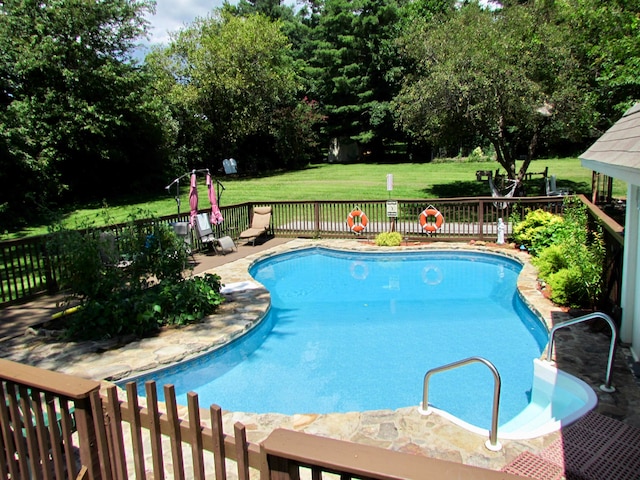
368 461
58 383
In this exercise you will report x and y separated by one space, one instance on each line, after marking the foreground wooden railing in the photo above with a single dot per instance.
148 428
289 453
147 439
613 237
39 412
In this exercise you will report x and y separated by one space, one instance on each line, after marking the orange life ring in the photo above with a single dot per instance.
424 217
357 227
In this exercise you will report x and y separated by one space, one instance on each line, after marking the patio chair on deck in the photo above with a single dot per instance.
259 225
222 245
109 253
183 231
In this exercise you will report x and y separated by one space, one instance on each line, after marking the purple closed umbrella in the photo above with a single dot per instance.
193 199
216 216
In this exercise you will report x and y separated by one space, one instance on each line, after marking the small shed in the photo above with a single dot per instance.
617 154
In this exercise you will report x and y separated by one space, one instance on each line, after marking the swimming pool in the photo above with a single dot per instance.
358 331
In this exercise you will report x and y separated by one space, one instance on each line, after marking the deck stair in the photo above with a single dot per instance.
594 448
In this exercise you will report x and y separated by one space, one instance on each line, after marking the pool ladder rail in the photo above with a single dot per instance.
606 387
493 444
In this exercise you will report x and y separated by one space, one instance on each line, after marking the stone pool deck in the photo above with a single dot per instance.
580 350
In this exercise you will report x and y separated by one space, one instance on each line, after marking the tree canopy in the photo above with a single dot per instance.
506 78
356 70
70 100
271 85
233 86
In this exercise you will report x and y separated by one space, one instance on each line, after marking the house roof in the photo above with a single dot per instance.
620 145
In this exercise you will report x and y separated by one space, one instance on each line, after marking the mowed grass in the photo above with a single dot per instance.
343 182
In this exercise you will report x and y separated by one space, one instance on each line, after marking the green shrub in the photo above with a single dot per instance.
139 296
550 260
142 311
538 230
123 312
566 287
477 155
189 301
388 239
570 255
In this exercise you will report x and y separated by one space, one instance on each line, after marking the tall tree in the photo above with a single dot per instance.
356 69
606 36
274 9
505 76
72 115
232 85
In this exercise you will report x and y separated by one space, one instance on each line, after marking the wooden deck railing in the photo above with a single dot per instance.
147 439
464 218
289 453
613 236
27 269
39 412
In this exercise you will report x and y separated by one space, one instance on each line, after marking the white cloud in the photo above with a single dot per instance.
172 15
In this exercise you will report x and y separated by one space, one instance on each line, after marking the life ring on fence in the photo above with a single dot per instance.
357 226
424 219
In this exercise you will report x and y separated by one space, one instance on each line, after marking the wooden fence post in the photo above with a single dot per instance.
481 219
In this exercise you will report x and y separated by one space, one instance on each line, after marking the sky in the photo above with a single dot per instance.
171 15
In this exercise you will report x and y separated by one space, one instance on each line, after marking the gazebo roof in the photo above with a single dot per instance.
620 145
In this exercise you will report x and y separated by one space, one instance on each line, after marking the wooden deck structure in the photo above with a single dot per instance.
118 438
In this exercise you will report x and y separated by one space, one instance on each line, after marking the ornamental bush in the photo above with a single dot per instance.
389 239
134 284
538 230
569 255
566 287
550 260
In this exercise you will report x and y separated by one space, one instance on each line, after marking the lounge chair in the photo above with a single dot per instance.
109 253
183 231
222 245
259 225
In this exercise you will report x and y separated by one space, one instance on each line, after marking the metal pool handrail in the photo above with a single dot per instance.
492 443
612 346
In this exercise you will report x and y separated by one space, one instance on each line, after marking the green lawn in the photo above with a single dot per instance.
346 182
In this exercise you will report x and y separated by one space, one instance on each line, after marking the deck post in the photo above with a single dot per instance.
481 219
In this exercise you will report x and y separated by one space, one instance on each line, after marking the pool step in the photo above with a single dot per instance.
594 448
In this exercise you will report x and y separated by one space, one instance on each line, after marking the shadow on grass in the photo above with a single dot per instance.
458 189
533 188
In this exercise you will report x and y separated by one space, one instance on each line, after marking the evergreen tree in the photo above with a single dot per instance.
356 71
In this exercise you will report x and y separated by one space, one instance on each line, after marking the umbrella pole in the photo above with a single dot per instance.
177 182
218 191
178 194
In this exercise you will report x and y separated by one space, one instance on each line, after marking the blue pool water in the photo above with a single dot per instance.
358 331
